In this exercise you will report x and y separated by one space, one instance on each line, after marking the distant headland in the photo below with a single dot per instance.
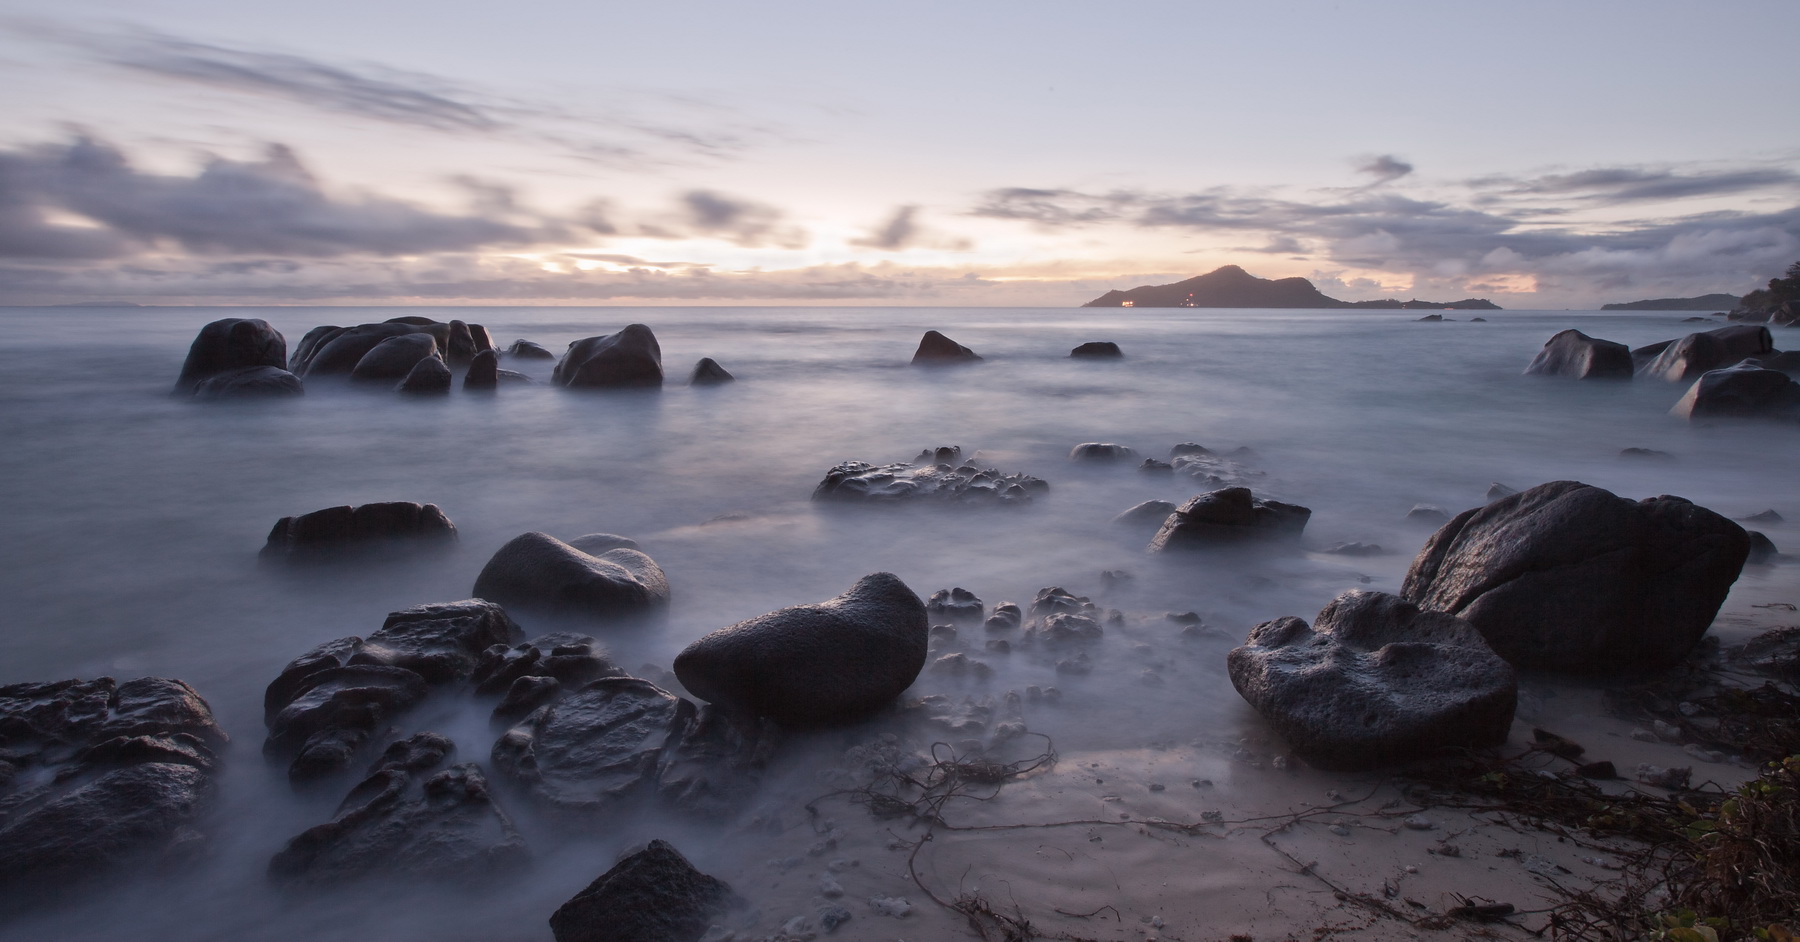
1705 302
1232 286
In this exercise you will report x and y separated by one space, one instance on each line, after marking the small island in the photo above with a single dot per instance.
1705 302
1232 286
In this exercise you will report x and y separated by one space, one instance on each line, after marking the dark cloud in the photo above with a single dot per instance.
1385 168
711 214
272 206
1613 185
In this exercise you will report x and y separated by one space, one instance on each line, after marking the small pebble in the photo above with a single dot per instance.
1411 869
1333 794
830 888
1156 922
1418 822
1280 763
1202 783
1449 850
1667 732
1643 735
1340 830
894 906
1687 709
833 916
841 864
1702 753
1156 786
1213 816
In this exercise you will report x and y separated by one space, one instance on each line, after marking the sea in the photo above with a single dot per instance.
131 520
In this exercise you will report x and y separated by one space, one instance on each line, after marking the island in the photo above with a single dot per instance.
1705 302
1232 286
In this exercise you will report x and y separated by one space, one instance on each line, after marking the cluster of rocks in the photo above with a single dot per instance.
1735 371
936 475
935 349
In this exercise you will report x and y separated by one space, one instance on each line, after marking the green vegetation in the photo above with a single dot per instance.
1784 290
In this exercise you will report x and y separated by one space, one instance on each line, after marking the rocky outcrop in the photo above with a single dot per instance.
941 475
1573 353
1689 357
957 604
1744 391
394 358
234 343
96 775
937 349
410 820
630 358
1228 515
250 382
484 372
428 377
1569 577
526 350
1098 349
1150 513
1375 680
1100 451
708 372
537 572
651 895
336 533
831 662
337 352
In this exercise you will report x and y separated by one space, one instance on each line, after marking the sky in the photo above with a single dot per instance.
1539 154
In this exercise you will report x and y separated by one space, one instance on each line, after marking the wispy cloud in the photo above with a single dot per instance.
1618 185
715 215
1384 168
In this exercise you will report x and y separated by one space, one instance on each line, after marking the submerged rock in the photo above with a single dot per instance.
250 382
1228 515
1375 680
526 350
629 358
1573 353
935 348
484 371
934 476
826 663
708 372
231 344
337 532
1147 514
1099 349
1099 451
96 775
1565 576
652 895
538 572
407 821
1689 357
1745 391
957 604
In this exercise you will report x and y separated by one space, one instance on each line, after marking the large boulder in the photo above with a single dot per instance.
942 475
831 662
628 358
1228 515
1569 577
540 573
338 352
1375 680
428 377
1745 391
1687 358
526 350
1573 353
1098 349
339 532
96 775
935 348
249 382
233 343
651 895
484 371
394 357
409 820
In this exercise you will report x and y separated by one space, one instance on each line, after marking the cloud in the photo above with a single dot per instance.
1385 168
1617 185
897 233
83 199
711 214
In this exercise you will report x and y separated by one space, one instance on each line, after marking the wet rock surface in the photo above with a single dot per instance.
830 662
1744 391
537 572
1575 354
1375 680
1565 576
652 895
1098 349
394 358
96 775
409 819
337 532
484 371
1100 451
708 372
940 475
249 382
228 345
630 358
1688 357
1228 515
526 350
957 604
428 377
937 349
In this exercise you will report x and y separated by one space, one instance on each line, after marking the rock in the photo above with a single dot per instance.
309 344
394 358
429 377
537 572
924 481
826 663
1573 353
1228 515
484 371
935 348
234 343
629 358
96 775
1099 451
1006 617
1375 680
1156 466
1497 490
956 604
1055 600
405 820
526 350
1645 453
1148 513
652 895
1478 320
1762 516
572 660
1762 549
250 382
1214 470
336 533
1565 576
1429 319
1354 549
460 349
708 372
594 544
1687 358
1742 391
337 352
1428 514
1098 349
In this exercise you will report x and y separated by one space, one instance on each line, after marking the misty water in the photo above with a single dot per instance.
131 522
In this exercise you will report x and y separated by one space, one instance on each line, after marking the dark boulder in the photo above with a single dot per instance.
1689 357
540 573
1228 515
429 377
97 775
958 604
1744 391
629 358
652 895
940 476
394 358
337 354
461 348
1762 549
250 382
936 349
708 372
1375 680
1150 513
526 350
310 344
1564 576
831 662
1099 349
1100 451
1573 353
339 532
408 821
234 343
484 371
1788 362
481 339
572 660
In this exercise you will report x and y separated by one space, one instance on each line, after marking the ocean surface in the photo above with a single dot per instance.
130 520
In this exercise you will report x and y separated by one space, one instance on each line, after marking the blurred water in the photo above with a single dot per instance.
130 520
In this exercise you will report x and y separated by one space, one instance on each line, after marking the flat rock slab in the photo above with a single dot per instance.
653 895
1375 680
1569 577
